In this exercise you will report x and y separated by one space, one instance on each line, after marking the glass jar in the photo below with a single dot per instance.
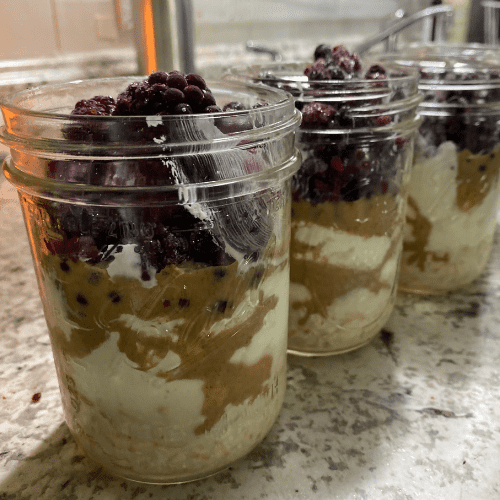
161 247
454 188
349 202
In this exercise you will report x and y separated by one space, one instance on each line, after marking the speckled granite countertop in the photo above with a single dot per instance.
415 415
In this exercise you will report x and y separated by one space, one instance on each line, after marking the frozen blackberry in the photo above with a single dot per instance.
334 71
340 171
174 96
376 72
161 93
317 71
323 51
478 134
97 106
208 99
177 80
90 131
350 63
158 77
212 109
343 171
196 80
177 238
182 109
317 113
194 95
333 64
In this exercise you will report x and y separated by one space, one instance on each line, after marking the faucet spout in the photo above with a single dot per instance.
442 12
164 35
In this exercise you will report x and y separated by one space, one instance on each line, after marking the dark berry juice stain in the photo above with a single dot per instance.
115 298
472 311
64 266
94 278
82 300
435 412
387 338
183 303
221 306
219 274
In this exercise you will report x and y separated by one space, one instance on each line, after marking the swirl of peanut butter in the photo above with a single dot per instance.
366 217
421 227
181 309
476 175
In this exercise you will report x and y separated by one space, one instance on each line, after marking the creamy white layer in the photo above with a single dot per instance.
353 318
135 421
341 248
128 263
461 239
433 186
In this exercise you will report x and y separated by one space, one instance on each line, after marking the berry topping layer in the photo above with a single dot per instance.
157 107
458 88
160 94
335 63
335 168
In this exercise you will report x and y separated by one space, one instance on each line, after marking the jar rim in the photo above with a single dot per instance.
8 100
433 60
399 91
367 105
293 72
213 155
24 115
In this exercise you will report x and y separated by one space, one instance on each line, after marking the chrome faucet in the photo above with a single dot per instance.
443 14
164 35
491 21
262 49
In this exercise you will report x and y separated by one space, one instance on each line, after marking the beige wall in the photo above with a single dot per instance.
34 28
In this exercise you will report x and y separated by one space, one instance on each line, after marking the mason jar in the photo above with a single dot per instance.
349 202
454 188
161 248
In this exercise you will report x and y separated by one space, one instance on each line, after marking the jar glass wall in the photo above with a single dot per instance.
349 202
161 246
455 185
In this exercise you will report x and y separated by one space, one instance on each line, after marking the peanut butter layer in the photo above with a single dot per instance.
179 314
373 216
476 174
327 282
475 177
224 382
421 228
